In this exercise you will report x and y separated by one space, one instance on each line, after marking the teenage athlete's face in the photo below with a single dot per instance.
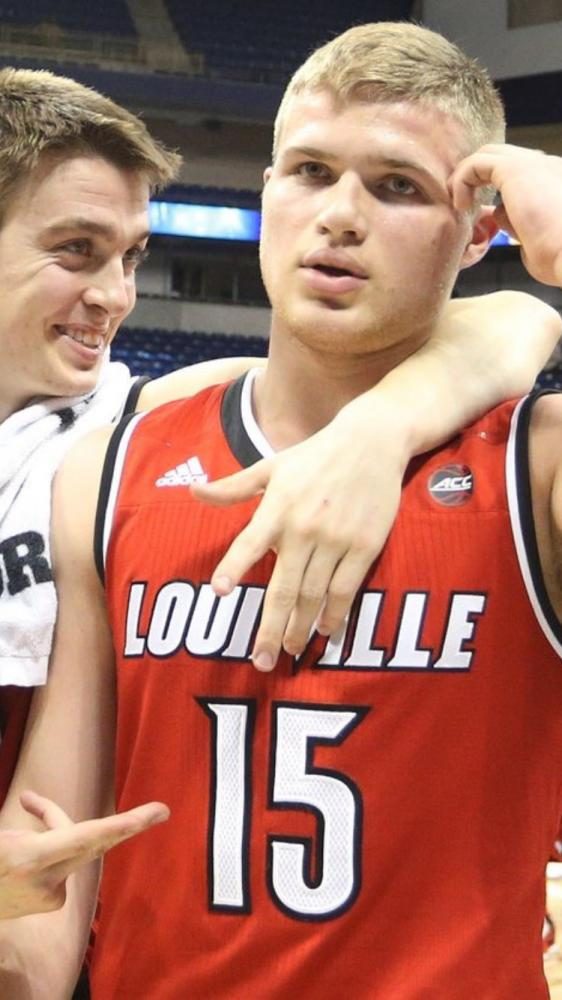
69 246
360 241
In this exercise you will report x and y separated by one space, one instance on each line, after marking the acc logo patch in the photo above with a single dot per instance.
452 485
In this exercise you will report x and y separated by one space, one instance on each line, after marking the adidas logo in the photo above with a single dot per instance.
184 474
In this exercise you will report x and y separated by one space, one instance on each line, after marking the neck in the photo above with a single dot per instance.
301 389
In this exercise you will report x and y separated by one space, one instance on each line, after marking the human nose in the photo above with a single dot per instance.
342 216
111 289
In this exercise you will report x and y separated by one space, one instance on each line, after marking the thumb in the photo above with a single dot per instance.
239 486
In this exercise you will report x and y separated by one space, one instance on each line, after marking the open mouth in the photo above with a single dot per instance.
332 280
333 272
86 338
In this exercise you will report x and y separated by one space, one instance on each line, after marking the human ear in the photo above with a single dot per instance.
484 228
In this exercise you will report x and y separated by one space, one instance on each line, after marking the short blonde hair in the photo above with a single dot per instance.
42 113
399 61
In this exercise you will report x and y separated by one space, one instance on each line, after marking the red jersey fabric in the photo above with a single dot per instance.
372 820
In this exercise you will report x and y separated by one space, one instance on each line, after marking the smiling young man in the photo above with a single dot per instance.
294 848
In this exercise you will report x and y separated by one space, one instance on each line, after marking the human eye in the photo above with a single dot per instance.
72 254
312 170
79 247
400 186
134 257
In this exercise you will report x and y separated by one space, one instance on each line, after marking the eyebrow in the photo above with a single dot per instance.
391 162
401 164
84 225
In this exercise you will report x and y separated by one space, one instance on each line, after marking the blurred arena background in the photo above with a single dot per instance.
207 76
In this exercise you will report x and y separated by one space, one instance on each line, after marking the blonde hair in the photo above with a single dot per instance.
399 61
41 113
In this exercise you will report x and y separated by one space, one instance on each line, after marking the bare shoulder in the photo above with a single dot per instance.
546 439
546 421
545 458
189 381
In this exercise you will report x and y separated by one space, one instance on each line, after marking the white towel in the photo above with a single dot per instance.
33 442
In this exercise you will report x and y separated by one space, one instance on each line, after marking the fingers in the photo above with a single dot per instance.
310 596
34 866
346 581
279 601
492 165
324 542
257 538
92 839
327 591
481 169
310 588
239 486
73 844
253 541
50 814
471 173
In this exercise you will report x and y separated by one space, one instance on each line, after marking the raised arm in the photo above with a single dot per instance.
529 183
486 350
67 757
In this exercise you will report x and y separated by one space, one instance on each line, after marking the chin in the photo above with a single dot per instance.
79 383
336 331
87 383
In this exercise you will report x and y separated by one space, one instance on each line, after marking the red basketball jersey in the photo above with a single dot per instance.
371 820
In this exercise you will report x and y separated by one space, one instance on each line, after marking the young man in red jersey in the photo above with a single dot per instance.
293 850
68 268
68 271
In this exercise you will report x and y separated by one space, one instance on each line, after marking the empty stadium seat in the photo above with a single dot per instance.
157 352
105 17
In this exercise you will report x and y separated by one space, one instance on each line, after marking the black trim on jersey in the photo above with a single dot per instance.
242 447
103 496
526 520
134 393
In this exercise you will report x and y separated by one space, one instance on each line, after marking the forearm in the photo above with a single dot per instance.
464 370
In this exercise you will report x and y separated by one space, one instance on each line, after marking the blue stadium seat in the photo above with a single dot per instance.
157 352
105 17
550 379
267 41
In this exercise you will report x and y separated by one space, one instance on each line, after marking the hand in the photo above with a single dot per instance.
328 506
34 865
530 185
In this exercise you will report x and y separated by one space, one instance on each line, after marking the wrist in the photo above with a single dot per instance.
381 420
